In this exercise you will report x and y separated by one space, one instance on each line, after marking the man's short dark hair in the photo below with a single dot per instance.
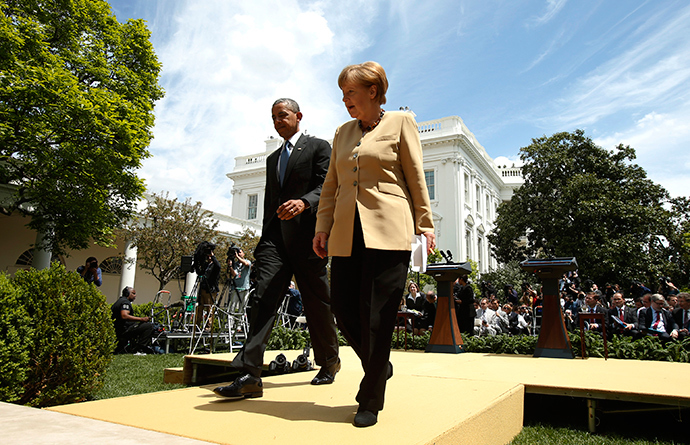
291 104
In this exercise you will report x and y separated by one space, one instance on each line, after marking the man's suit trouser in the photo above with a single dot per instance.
366 290
275 267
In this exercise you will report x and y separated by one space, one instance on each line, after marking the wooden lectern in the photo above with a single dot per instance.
553 338
445 336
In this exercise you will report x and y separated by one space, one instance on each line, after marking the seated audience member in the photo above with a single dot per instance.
426 321
657 321
516 322
90 271
591 306
643 302
487 323
526 314
128 328
501 319
578 302
414 298
625 314
682 315
672 301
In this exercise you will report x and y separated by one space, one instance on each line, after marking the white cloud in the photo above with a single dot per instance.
661 143
553 7
224 63
655 68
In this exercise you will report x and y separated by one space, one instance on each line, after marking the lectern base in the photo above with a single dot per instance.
451 349
553 353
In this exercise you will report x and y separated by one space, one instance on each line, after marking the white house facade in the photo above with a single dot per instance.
465 187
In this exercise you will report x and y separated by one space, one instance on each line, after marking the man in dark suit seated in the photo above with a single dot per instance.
657 321
426 321
591 306
626 314
294 177
681 315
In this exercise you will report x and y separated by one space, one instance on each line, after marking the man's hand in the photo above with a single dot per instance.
290 209
319 244
674 334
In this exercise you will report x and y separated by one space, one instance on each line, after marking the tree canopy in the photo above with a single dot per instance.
77 92
581 200
167 230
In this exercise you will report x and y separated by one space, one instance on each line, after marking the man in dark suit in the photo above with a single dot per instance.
626 314
591 306
464 304
681 315
294 177
657 321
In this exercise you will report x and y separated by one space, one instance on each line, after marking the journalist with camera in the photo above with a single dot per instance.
240 269
90 271
207 268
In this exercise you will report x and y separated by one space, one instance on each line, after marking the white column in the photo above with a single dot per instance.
129 266
42 255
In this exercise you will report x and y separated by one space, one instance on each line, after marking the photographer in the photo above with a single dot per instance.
240 268
207 268
90 271
667 288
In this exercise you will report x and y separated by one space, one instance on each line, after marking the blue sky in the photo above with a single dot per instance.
512 70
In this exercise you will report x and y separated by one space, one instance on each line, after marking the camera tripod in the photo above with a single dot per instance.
231 317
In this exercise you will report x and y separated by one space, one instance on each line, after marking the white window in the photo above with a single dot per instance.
252 202
467 189
477 196
430 183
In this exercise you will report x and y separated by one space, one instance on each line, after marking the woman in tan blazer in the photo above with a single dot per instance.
373 201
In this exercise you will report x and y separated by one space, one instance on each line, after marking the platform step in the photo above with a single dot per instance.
173 375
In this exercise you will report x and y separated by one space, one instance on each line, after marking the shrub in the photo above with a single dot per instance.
15 333
71 340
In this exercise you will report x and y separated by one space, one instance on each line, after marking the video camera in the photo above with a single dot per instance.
233 253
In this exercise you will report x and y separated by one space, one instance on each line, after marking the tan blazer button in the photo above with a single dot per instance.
355 183
354 169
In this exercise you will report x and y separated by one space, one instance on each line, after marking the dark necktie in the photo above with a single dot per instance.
284 157
685 318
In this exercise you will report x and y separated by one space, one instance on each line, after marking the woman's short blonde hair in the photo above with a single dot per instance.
366 74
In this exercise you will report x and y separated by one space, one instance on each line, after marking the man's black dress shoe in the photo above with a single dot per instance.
365 418
326 375
245 386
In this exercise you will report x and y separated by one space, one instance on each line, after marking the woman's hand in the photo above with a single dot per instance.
319 244
430 242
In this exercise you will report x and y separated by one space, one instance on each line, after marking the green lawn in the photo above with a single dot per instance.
548 420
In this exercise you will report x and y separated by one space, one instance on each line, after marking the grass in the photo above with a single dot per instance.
138 374
549 420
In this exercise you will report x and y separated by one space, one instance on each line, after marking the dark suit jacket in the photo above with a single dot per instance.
305 173
598 309
678 318
629 316
646 319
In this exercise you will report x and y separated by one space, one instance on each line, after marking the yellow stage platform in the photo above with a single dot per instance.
431 399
